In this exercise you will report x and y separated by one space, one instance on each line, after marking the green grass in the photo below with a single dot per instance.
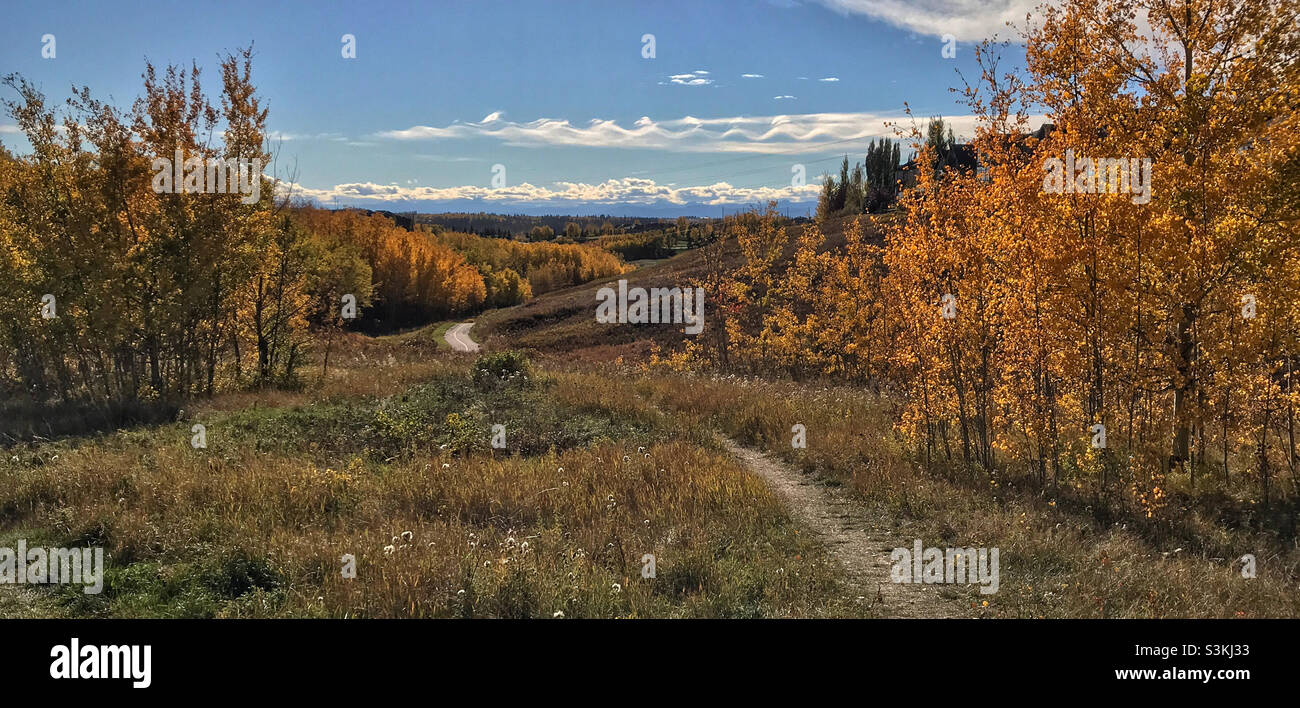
435 334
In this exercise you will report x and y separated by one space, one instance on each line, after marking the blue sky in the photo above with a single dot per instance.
558 93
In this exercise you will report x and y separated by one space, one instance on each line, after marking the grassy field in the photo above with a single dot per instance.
1065 554
389 460
604 465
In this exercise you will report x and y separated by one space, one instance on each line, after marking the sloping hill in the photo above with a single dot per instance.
564 321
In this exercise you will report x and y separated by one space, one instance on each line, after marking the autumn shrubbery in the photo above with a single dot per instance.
1010 320
502 368
1004 320
115 295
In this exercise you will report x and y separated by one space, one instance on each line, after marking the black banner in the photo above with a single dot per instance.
346 656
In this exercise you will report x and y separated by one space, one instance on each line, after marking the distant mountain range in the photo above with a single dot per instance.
657 211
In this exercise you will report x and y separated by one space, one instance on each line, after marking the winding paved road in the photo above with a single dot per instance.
458 338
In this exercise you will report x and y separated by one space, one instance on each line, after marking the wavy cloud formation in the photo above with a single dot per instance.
628 190
780 134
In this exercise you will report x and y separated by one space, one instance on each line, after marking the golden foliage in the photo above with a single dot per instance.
1078 308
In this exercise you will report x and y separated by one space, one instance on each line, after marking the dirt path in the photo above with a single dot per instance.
859 541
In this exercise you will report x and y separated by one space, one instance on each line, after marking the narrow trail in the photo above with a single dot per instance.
458 337
860 541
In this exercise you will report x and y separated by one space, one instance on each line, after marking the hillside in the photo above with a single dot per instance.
562 322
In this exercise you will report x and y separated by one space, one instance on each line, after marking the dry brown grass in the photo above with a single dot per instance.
1056 561
256 524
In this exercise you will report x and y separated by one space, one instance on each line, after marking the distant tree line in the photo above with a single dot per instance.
541 228
526 269
869 187
872 186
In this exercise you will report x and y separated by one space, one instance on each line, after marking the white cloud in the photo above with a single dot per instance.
60 128
967 20
751 76
628 190
278 136
695 78
446 158
781 98
829 79
792 133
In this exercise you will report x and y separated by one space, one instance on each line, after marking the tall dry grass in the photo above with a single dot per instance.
1060 556
257 524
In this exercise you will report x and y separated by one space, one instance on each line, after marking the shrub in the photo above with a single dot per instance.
501 368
